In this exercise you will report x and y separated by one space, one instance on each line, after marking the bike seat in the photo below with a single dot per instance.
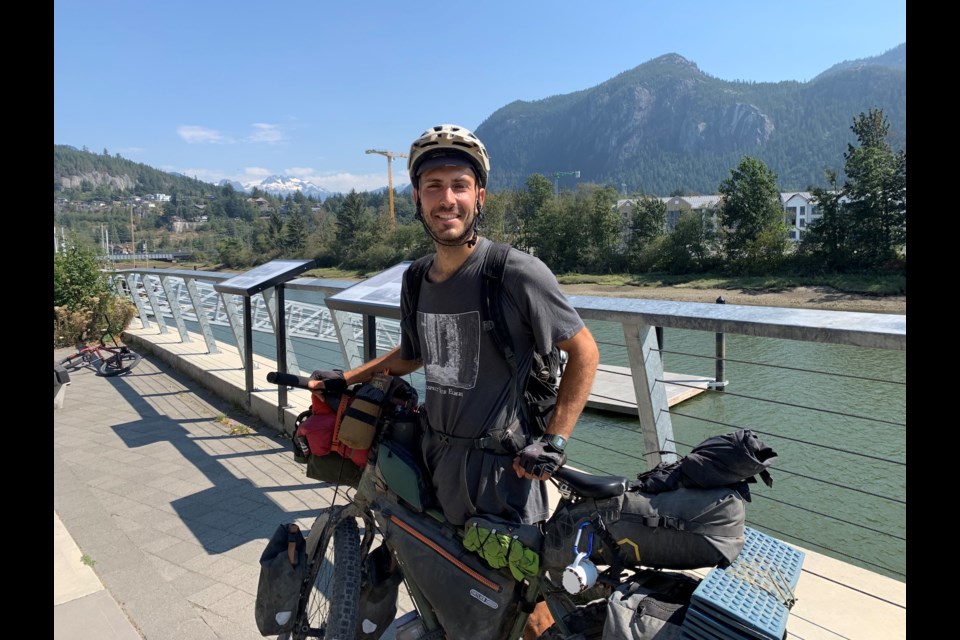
588 485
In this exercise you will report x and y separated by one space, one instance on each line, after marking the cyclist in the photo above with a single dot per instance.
469 389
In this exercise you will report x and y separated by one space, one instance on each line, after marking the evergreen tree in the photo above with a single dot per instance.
752 227
863 224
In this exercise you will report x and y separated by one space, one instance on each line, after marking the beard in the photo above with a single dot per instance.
469 224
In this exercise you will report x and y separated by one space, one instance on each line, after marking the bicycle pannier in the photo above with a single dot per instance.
652 605
470 599
283 568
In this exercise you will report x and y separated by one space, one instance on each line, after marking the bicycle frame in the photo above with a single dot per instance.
363 505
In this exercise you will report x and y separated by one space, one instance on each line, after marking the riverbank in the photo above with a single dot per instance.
825 298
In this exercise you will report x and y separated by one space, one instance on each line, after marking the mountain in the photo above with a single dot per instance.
666 126
660 128
285 185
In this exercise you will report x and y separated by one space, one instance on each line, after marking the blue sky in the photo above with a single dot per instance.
243 90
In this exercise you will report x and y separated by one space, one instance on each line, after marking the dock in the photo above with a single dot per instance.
613 389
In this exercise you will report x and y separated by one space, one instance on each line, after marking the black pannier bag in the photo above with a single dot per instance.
283 568
469 599
652 605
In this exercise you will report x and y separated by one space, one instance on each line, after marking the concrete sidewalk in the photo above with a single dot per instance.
164 499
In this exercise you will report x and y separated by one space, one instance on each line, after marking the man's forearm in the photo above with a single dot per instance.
390 361
576 383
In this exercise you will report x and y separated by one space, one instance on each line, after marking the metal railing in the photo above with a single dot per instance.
325 338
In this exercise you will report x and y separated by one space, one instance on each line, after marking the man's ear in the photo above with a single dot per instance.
481 195
416 197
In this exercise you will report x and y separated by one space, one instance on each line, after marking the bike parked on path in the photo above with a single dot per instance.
108 360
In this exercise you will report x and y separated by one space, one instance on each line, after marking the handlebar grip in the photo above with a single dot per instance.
288 380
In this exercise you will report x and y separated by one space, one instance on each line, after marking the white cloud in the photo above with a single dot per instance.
268 133
198 135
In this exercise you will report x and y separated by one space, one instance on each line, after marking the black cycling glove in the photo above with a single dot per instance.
333 381
540 458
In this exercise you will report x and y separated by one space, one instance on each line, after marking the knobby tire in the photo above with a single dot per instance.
331 608
119 363
75 361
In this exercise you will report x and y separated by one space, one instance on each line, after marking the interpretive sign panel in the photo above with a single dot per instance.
266 275
376 296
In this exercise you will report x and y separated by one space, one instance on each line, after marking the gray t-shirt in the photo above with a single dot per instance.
468 383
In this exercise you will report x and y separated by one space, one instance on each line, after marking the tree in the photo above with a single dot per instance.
83 304
688 249
753 232
647 223
295 237
357 229
863 224
876 193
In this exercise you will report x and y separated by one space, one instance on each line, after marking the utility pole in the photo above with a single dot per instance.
390 156
133 242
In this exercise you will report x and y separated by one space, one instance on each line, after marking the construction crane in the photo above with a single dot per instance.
390 156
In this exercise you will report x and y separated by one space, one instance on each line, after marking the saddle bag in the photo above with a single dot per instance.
469 599
680 529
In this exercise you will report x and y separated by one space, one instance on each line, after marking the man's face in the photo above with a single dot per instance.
448 199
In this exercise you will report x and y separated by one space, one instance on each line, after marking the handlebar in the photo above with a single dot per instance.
288 380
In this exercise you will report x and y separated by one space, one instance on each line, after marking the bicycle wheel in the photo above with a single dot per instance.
74 361
330 609
119 363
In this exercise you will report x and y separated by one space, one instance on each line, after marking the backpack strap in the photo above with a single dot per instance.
412 279
493 268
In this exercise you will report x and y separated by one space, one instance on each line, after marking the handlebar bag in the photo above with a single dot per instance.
470 599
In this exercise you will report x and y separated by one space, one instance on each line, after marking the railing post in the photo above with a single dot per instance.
720 382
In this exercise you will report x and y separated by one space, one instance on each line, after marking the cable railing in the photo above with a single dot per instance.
824 389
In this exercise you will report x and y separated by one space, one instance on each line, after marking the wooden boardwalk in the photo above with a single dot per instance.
613 389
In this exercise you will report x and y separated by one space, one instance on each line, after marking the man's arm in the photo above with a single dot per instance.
390 361
575 385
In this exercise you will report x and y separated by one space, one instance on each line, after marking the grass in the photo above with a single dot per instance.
869 284
877 285
87 560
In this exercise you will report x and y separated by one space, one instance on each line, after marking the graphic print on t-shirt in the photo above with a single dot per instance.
451 348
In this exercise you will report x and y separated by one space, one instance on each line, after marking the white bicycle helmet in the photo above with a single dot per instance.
448 140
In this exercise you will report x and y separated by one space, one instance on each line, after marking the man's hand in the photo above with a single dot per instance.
332 381
538 461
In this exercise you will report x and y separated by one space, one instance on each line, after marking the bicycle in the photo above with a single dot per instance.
387 504
106 359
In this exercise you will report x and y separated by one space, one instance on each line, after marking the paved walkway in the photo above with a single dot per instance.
164 498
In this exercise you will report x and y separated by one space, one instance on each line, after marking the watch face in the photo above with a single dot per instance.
558 442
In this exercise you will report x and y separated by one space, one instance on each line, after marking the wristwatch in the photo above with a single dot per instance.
555 441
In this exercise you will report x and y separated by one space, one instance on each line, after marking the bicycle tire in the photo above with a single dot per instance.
119 363
73 362
331 607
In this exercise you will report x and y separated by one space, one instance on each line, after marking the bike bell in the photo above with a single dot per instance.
581 574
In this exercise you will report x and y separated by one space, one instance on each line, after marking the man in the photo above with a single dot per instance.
470 392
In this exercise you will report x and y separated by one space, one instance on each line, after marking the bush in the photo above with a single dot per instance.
84 308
